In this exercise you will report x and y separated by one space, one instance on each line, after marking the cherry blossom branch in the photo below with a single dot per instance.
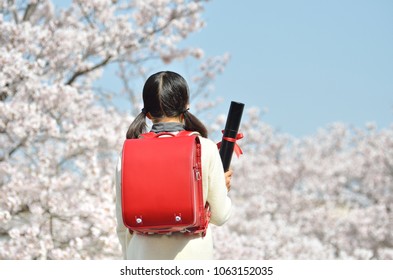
30 9
83 72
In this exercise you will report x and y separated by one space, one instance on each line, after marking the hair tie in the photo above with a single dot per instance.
186 110
144 111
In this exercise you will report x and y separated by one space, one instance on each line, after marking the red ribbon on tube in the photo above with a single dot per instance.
238 151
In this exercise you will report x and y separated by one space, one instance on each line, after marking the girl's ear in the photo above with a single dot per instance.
148 116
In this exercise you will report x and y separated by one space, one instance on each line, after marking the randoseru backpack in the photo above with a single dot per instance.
162 184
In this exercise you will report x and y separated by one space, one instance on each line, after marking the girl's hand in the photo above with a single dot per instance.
228 177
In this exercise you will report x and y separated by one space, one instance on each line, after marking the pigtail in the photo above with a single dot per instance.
138 126
192 123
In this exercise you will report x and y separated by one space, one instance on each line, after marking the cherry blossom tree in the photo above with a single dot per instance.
60 132
328 196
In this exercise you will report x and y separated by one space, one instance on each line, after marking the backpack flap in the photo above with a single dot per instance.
161 183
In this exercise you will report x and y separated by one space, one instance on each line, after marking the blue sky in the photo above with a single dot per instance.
310 63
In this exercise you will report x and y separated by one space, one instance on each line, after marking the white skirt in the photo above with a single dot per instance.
170 247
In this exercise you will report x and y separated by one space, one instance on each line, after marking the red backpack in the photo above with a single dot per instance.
162 184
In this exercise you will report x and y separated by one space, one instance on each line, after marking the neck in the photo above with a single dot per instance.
167 126
167 119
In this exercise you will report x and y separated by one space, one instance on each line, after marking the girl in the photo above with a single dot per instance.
166 101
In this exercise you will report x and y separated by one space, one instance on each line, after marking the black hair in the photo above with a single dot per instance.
165 94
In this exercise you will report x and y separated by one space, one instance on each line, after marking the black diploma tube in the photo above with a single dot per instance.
230 132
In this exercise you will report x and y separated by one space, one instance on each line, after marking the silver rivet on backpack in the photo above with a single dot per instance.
138 220
178 218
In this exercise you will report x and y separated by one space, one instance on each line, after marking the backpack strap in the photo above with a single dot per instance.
147 135
180 133
187 133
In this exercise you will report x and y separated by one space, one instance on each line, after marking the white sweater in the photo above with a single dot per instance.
178 246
